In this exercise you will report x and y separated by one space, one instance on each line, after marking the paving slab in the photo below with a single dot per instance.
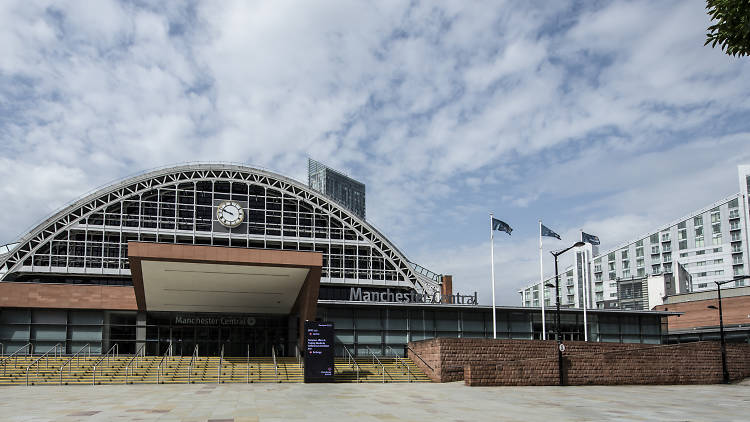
374 402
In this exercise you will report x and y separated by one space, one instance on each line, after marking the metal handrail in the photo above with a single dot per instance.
140 352
275 365
45 356
401 362
115 349
29 351
420 358
299 355
350 359
374 359
159 369
221 358
247 365
77 356
190 367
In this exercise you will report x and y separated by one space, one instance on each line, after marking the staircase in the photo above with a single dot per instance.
124 369
383 370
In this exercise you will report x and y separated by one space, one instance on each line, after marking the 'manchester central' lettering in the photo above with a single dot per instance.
357 295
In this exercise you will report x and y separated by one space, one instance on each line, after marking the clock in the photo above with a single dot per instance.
230 214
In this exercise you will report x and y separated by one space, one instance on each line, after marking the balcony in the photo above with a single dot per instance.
734 214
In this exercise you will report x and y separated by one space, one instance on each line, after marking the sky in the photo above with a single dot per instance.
611 117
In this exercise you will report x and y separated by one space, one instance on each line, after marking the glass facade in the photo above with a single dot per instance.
345 190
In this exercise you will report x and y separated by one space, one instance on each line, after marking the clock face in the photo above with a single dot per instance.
230 214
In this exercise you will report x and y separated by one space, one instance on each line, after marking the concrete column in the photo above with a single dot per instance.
140 330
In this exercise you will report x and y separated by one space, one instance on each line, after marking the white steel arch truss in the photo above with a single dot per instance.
73 215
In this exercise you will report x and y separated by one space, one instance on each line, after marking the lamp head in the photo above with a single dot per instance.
711 307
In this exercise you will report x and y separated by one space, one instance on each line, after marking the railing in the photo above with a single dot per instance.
299 355
77 357
350 360
113 351
160 368
134 361
45 356
221 358
375 359
190 367
247 365
275 365
402 363
29 351
420 358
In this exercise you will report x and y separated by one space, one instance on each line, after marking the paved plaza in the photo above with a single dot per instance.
374 402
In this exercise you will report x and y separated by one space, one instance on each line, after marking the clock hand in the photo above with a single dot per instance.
226 211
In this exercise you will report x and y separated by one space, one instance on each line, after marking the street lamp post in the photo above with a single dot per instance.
557 303
724 369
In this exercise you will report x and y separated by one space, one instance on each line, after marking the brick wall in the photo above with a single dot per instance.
696 313
533 362
66 296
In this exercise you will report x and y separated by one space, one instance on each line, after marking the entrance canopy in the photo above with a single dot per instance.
190 278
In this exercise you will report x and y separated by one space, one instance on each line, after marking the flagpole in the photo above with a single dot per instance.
541 282
585 288
492 261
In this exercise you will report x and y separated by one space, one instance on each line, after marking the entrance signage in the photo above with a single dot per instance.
214 320
356 294
319 352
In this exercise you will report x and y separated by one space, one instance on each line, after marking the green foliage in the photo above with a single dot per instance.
732 28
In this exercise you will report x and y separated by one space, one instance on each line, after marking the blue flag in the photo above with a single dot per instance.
546 231
589 238
500 226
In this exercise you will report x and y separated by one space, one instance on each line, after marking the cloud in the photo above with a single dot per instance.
594 115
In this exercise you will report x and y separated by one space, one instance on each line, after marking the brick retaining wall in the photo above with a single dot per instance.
534 362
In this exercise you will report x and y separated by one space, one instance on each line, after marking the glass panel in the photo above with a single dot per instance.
368 319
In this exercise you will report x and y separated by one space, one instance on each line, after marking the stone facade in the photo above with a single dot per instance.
532 362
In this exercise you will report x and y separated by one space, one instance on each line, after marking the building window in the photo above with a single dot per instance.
611 256
700 252
654 238
611 266
718 261
734 203
699 242
665 237
625 264
612 276
641 272
716 240
613 295
702 285
715 216
682 244
738 270
639 251
684 254
624 254
598 276
700 263
655 249
698 221
639 262
625 273
682 225
667 257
